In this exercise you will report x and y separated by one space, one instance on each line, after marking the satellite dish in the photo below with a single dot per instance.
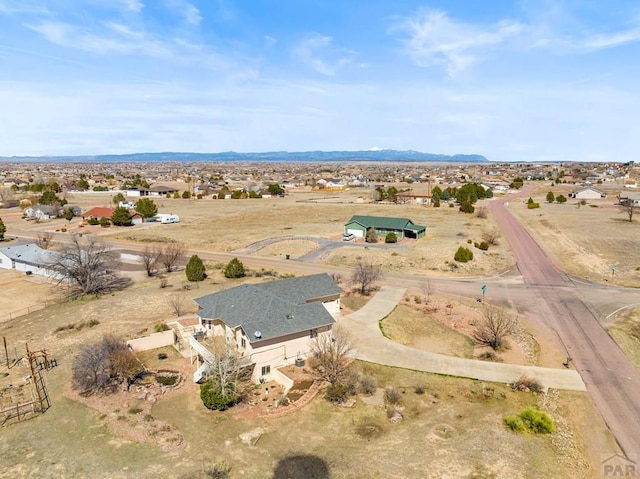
257 334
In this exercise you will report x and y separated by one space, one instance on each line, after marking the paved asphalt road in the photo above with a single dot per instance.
611 379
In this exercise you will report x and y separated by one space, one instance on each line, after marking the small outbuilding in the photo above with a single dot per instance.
403 227
588 193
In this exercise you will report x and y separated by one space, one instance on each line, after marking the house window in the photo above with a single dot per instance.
243 342
266 370
313 333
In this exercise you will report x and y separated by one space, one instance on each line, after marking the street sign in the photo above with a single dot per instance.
484 288
614 268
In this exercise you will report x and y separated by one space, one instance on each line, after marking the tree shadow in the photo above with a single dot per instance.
301 466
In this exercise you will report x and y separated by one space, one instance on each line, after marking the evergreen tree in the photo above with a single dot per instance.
3 229
146 207
121 217
234 269
118 198
68 214
195 269
551 197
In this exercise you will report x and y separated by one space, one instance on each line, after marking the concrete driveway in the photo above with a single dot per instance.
372 346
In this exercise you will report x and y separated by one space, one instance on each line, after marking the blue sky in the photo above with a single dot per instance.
512 80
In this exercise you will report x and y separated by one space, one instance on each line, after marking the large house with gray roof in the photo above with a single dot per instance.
403 227
271 324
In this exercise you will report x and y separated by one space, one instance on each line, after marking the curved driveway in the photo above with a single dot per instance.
372 346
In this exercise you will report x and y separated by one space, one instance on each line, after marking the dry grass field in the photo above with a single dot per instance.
21 294
233 225
585 240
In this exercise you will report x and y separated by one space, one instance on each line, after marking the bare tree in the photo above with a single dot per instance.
494 328
491 237
628 207
426 290
150 258
6 193
175 301
227 376
365 275
44 240
337 277
172 255
481 212
331 355
86 266
104 365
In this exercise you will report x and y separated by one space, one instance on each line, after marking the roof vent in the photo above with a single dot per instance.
257 334
289 316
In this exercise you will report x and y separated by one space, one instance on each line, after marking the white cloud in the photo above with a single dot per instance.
307 53
435 39
192 14
117 38
133 5
12 7
597 42
189 12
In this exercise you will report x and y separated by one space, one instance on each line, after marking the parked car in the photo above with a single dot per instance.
348 237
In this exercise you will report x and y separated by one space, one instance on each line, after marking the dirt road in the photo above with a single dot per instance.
611 379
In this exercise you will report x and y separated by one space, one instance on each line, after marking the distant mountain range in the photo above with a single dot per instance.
231 156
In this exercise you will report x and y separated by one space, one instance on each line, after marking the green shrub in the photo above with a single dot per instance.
93 221
561 199
463 255
234 269
467 207
391 237
213 397
161 326
337 393
533 206
469 241
537 421
195 269
515 424
134 410
531 420
219 470
484 246
451 205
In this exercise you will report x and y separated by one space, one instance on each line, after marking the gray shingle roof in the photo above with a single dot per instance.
30 254
275 309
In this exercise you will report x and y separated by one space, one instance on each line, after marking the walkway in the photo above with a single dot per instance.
372 346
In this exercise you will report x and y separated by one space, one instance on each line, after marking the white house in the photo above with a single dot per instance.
629 198
29 258
270 324
41 212
588 193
